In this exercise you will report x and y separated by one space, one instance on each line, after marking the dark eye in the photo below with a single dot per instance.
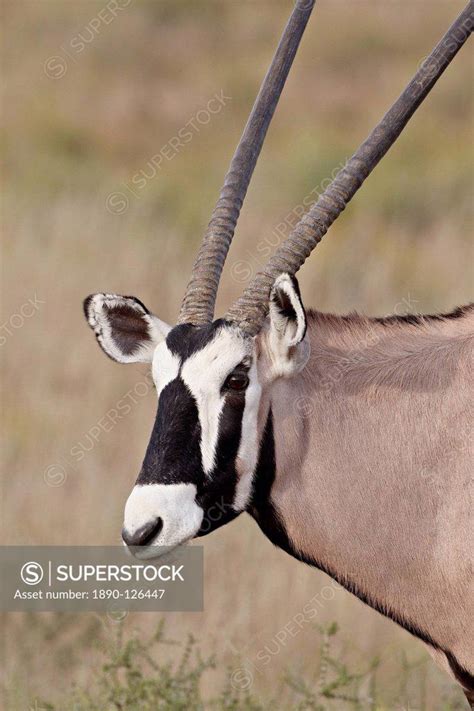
236 381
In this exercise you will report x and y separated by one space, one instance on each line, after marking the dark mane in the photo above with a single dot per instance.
410 319
416 319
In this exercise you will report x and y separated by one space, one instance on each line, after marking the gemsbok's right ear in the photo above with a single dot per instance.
287 346
126 331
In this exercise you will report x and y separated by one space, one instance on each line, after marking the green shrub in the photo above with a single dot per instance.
131 679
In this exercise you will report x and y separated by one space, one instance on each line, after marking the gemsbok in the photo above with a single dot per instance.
372 480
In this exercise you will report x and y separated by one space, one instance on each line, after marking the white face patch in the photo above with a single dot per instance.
175 504
165 367
249 443
204 373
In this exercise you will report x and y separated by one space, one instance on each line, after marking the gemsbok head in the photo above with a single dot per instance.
373 477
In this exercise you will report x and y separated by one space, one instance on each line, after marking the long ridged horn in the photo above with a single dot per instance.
198 303
251 308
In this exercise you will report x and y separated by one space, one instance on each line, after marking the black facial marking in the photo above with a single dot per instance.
270 521
174 455
186 339
230 430
217 495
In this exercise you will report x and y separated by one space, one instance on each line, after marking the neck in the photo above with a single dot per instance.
364 474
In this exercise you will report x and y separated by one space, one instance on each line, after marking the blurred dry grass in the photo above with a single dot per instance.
71 141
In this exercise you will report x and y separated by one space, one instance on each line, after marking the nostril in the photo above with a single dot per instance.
143 535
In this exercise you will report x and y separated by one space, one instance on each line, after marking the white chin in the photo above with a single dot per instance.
175 504
153 551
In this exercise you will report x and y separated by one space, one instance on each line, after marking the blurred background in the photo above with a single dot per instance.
120 119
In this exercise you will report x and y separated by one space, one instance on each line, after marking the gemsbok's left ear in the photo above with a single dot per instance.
289 351
125 330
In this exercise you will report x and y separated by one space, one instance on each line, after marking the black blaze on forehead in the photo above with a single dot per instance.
173 455
185 339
